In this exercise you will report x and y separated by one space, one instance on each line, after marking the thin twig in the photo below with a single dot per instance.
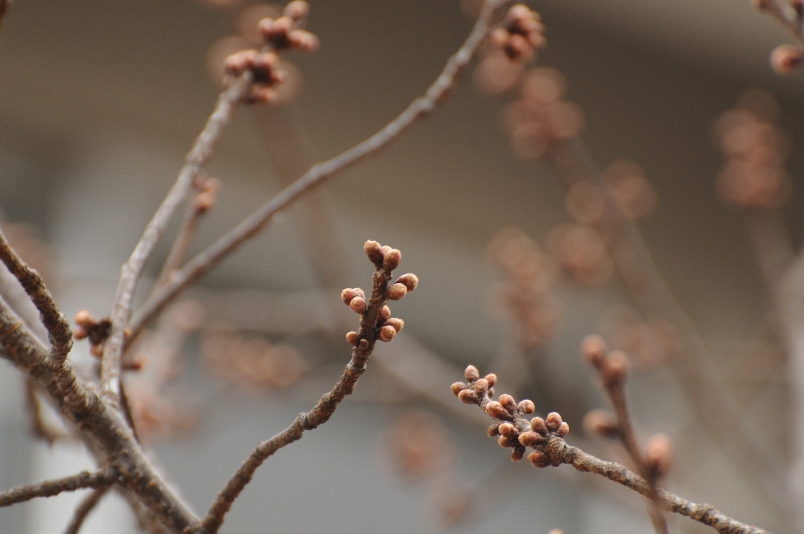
132 269
318 173
39 428
84 509
49 488
370 322
553 450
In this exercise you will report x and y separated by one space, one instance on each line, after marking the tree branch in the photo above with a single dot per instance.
84 509
132 269
49 488
318 173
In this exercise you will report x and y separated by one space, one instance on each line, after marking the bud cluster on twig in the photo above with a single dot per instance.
283 33
521 33
511 427
385 259
96 331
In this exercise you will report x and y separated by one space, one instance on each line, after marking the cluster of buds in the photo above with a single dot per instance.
527 296
511 428
541 116
611 364
95 331
385 259
755 148
283 33
521 33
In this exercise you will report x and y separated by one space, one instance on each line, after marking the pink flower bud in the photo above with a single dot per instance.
358 305
457 387
397 291
391 260
387 333
526 406
471 373
353 338
397 323
553 421
348 294
410 280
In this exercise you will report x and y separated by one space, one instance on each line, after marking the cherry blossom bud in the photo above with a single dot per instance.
358 305
471 373
468 396
553 421
496 410
529 438
348 294
563 429
518 453
615 369
507 401
526 406
508 430
397 323
353 338
296 10
391 259
83 318
538 425
373 251
593 350
410 280
601 422
539 459
659 454
385 314
387 333
457 387
491 378
786 58
505 441
481 387
397 291
493 431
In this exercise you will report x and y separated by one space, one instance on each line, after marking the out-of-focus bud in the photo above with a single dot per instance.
659 454
601 422
593 350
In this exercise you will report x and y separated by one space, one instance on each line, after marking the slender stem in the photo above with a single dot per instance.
320 414
49 488
318 173
132 269
39 428
84 509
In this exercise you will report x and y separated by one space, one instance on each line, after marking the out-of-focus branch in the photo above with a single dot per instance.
84 509
419 108
373 316
546 438
132 269
49 488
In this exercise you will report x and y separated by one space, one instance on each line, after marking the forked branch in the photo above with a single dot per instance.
49 488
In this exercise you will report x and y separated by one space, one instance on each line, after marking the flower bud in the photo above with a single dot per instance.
348 294
539 459
507 401
563 429
410 280
538 425
593 350
481 387
518 453
385 314
471 373
659 454
373 251
457 387
493 431
397 323
467 396
397 291
496 410
786 58
83 318
529 438
508 430
391 259
505 441
491 378
353 338
358 305
553 421
296 10
387 333
526 406
601 422
615 369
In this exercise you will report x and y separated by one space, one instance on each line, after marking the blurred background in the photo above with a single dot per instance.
492 202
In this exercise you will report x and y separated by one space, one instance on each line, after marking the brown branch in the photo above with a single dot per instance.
49 488
318 173
39 428
371 320
132 269
545 437
84 509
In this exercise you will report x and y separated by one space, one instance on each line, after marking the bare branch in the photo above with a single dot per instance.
318 173
84 509
132 269
49 488
545 437
371 320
